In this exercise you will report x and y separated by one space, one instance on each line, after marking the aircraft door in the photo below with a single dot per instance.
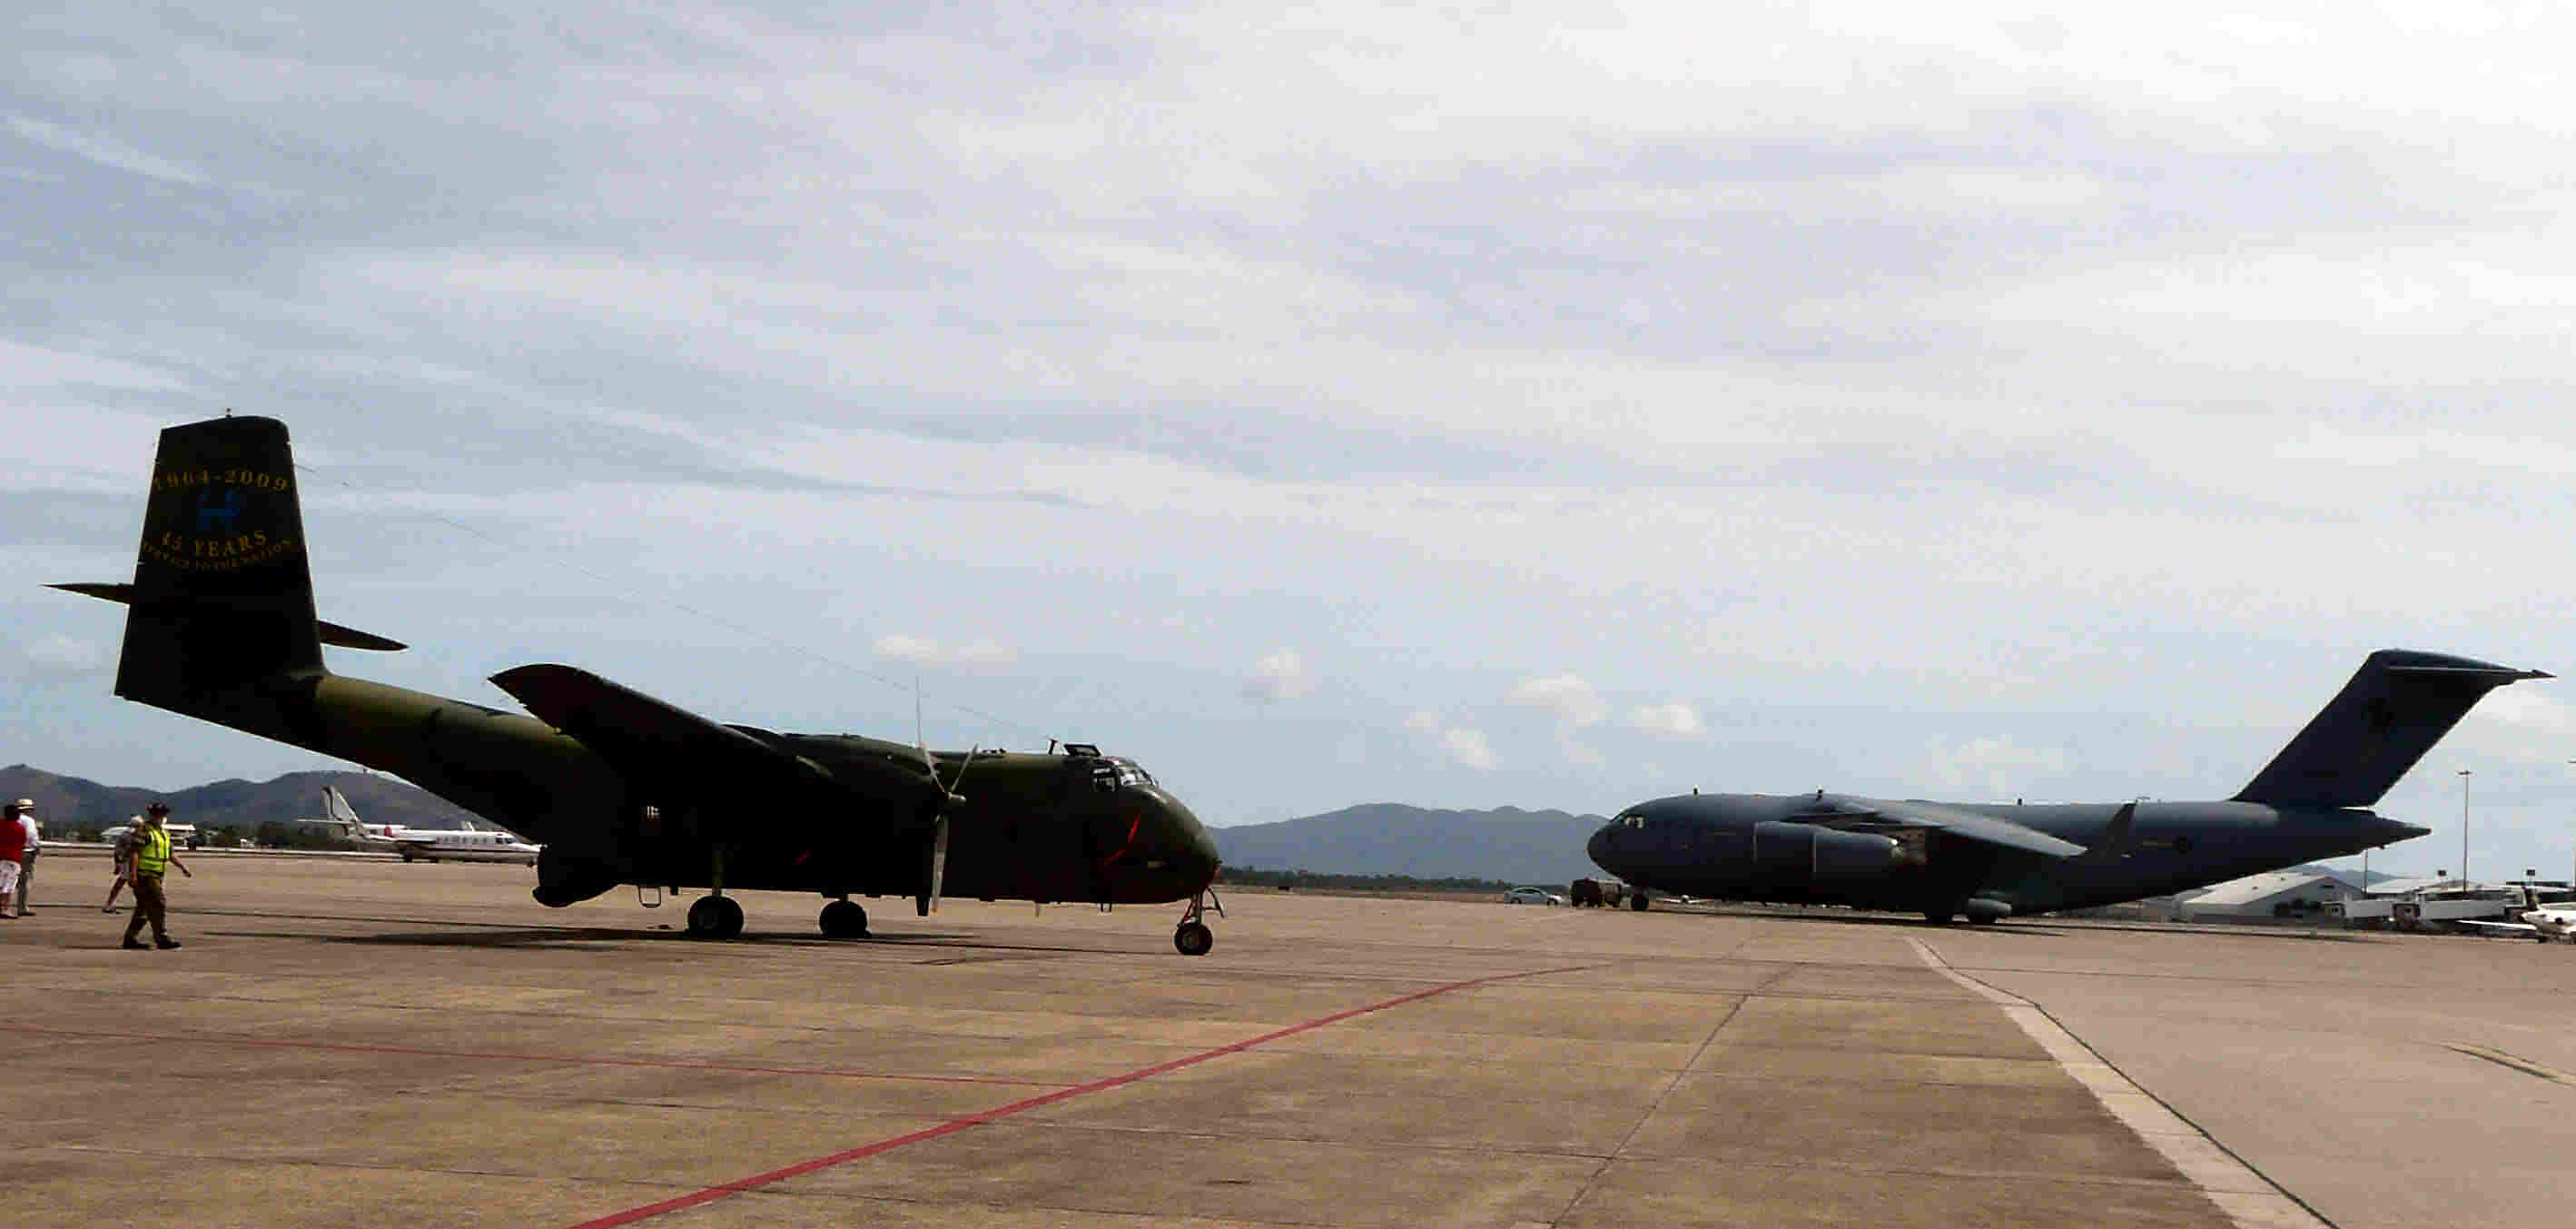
1050 851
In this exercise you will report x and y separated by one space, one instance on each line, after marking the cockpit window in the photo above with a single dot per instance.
1630 820
1115 775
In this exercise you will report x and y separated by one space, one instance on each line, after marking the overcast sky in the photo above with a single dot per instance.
1554 406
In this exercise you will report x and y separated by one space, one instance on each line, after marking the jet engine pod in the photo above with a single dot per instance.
1986 909
563 880
1804 853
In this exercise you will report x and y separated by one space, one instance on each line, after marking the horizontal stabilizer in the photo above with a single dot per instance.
2392 711
332 633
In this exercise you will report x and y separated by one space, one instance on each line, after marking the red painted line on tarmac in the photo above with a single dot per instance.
571 1060
955 1125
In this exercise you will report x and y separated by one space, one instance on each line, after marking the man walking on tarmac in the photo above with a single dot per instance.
23 813
152 856
13 850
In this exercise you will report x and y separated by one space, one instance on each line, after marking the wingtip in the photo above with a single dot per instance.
533 672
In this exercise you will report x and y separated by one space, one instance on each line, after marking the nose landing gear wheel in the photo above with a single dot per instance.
1638 902
714 917
1192 937
843 919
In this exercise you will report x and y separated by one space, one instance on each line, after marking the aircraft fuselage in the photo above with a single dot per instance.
1713 845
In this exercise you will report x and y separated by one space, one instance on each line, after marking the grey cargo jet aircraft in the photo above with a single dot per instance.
1987 862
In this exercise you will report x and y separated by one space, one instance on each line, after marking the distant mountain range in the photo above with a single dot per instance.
1383 838
1388 838
64 803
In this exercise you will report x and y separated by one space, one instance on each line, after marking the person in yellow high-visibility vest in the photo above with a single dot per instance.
152 856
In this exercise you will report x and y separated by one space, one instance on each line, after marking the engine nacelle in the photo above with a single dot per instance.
563 880
1804 853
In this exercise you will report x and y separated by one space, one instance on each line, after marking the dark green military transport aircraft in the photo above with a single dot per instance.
620 788
1988 862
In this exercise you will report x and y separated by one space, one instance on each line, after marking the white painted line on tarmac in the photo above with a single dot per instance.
2245 1195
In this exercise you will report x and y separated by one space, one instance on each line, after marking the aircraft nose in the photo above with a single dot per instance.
1599 849
1189 848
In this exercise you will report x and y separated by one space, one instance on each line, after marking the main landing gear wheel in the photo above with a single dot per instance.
1638 902
1938 917
714 917
844 919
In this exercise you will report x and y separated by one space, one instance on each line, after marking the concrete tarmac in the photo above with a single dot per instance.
347 1043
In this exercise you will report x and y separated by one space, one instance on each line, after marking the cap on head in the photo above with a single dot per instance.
22 805
157 808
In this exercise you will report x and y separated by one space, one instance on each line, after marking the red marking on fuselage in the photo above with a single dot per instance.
1129 843
955 1125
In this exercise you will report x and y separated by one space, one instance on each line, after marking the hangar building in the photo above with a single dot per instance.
2273 894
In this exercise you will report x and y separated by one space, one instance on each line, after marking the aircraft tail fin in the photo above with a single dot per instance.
335 806
2393 710
222 595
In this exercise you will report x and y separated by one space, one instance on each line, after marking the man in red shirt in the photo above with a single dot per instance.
13 850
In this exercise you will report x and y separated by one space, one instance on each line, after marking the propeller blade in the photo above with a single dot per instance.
919 743
950 788
929 899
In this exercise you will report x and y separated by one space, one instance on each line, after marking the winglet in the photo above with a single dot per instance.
2117 838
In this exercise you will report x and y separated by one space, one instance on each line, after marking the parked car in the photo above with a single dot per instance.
1532 896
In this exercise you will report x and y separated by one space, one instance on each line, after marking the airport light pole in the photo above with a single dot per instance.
2464 829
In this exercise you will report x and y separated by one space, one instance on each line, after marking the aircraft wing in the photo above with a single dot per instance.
1876 815
660 742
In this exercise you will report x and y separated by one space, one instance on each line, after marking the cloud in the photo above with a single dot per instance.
31 367
64 654
1676 721
1466 746
1179 313
1576 752
1993 768
2520 724
1566 695
1574 704
1280 676
913 650
104 151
